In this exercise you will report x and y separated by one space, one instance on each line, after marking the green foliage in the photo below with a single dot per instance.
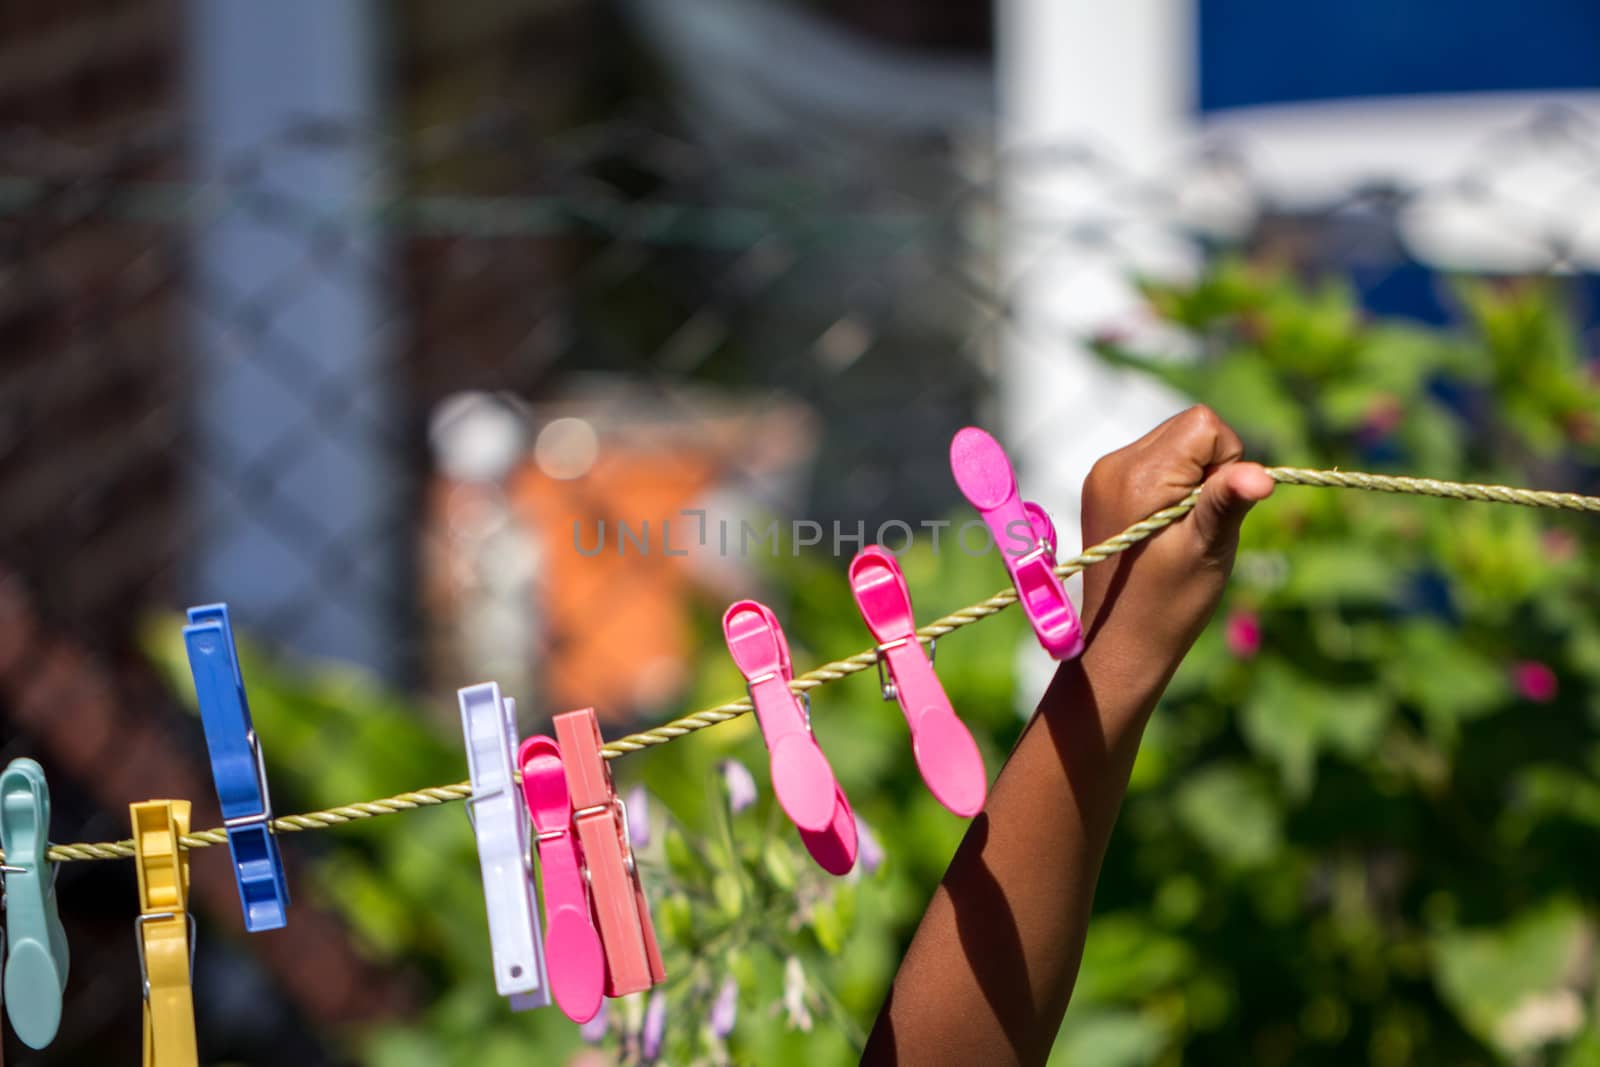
1372 831
1361 841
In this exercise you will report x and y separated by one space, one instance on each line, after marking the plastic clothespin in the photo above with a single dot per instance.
237 768
36 960
633 959
801 776
164 932
489 723
1024 535
574 958
946 754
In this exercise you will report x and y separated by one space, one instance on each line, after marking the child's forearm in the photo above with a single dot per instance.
991 967
1004 933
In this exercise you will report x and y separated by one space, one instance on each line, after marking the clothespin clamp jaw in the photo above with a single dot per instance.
164 932
500 824
622 914
946 754
33 941
574 957
1024 536
802 778
237 768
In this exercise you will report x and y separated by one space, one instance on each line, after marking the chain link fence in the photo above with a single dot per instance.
428 406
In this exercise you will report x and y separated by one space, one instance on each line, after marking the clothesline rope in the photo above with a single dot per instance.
861 661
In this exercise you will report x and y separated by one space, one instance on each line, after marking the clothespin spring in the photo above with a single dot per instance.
620 808
138 940
472 821
885 685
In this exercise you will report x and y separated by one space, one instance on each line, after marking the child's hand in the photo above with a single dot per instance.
1149 604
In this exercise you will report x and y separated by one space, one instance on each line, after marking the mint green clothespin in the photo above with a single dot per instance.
36 964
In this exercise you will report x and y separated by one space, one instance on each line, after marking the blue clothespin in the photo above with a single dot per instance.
237 768
36 965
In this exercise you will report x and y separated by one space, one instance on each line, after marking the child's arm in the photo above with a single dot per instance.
989 972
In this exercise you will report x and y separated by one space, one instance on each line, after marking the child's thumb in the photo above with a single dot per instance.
1227 497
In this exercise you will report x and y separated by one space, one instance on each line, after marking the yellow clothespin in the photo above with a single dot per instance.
165 932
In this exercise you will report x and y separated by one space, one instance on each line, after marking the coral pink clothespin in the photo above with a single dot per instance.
801 775
1024 535
628 937
946 754
574 959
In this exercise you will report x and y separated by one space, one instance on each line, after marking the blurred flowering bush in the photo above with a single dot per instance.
1363 825
1361 829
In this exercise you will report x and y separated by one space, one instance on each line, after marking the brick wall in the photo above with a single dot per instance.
90 364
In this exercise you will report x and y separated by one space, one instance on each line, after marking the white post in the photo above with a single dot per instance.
298 500
1117 79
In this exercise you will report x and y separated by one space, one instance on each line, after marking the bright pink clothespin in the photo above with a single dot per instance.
1024 535
801 775
574 959
633 959
946 754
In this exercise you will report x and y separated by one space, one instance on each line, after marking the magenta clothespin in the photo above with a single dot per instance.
946 754
573 958
1024 535
801 775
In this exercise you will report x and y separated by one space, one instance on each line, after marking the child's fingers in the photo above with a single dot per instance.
1228 495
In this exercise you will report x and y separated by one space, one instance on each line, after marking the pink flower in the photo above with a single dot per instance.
725 1009
594 1031
638 808
741 785
1560 545
1535 681
1380 419
1242 634
655 1027
870 851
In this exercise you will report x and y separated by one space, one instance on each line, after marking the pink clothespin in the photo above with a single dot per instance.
574 959
946 754
801 775
633 959
1024 535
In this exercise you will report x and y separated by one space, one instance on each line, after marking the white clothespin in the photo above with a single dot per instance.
500 821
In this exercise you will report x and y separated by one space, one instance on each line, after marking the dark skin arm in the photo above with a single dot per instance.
991 968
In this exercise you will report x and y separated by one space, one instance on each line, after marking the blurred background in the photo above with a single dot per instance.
391 324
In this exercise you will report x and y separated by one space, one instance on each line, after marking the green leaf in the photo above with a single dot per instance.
730 898
1291 719
779 864
1543 794
1339 572
1231 811
1585 1051
829 926
1109 1039
1447 680
1126 957
1487 975
1251 397
681 858
675 915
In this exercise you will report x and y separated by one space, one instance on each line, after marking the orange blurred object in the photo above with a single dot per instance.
595 509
